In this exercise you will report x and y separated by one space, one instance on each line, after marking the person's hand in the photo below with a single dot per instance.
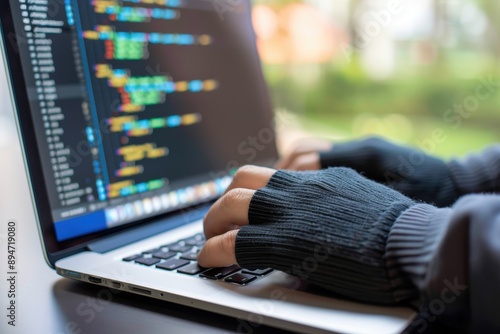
305 155
228 214
405 169
329 227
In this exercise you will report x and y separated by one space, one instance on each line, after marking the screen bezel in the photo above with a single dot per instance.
54 249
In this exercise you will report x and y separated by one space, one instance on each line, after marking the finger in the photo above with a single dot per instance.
304 147
229 211
309 161
219 251
284 163
251 177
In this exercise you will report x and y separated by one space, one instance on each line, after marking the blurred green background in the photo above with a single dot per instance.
399 69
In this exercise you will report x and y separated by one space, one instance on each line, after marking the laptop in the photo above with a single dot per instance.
133 116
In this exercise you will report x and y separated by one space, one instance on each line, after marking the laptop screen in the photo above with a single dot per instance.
139 107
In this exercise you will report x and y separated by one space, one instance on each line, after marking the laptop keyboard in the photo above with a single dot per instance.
181 257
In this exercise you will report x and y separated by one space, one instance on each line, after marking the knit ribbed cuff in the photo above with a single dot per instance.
477 173
413 241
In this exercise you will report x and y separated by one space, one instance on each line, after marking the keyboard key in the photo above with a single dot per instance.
197 240
218 273
258 272
150 251
194 243
147 261
239 278
164 255
193 255
132 257
191 269
180 248
172 264
198 236
173 244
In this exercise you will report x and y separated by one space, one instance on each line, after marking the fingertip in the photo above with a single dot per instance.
310 161
280 164
219 251
229 210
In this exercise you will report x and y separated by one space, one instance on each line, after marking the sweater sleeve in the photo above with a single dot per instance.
368 242
477 173
453 257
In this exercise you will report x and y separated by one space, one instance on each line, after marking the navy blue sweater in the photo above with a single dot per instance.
369 242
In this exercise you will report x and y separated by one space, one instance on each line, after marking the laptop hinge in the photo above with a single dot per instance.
148 230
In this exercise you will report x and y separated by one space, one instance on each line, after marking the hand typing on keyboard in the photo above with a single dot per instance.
329 227
228 214
181 257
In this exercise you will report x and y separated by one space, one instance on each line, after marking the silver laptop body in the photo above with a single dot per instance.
132 117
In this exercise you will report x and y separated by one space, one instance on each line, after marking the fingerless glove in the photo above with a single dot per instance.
329 227
409 171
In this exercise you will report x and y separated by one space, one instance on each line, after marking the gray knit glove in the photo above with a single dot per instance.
329 227
407 170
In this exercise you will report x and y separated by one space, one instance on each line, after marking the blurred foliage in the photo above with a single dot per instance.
339 100
407 108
